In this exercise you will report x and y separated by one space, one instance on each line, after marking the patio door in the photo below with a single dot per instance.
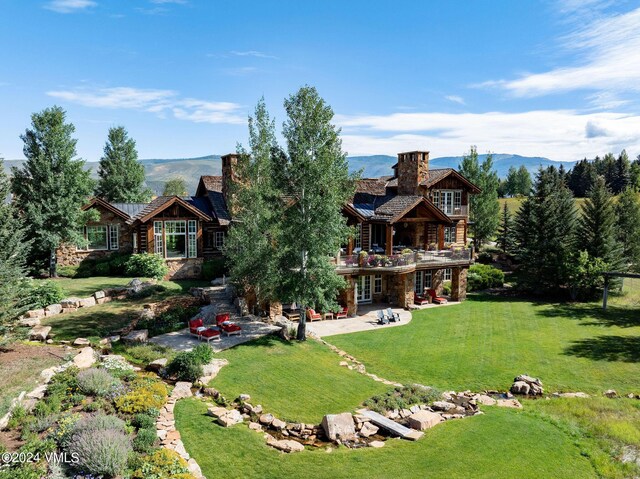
363 289
446 198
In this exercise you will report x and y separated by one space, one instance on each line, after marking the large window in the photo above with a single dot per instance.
449 234
378 235
193 243
114 235
377 284
447 274
357 238
419 283
157 238
449 201
219 240
97 238
175 234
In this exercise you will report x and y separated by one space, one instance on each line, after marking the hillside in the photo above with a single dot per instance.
160 170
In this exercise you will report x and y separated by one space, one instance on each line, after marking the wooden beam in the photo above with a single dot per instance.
389 245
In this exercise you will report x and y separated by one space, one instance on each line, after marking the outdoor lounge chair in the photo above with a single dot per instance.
209 334
436 299
343 313
227 327
313 316
382 318
419 299
196 326
393 317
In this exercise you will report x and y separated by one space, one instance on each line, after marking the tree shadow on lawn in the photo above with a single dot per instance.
607 348
590 314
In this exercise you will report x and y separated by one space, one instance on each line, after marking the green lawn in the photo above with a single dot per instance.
486 341
296 381
501 443
514 203
100 320
83 287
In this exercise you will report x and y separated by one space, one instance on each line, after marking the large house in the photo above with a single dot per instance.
411 231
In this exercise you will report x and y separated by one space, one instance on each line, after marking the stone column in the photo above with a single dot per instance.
437 276
459 284
275 309
350 296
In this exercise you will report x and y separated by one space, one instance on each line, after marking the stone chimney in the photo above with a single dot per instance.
413 168
229 163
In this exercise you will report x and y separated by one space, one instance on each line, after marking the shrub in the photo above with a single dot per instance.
213 268
145 353
18 416
485 258
144 421
142 398
118 263
103 269
65 428
102 452
173 319
402 398
99 422
482 276
96 382
203 353
67 271
44 293
146 265
40 424
145 439
162 464
185 367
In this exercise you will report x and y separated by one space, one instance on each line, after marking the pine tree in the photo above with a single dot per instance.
251 246
175 187
609 170
597 226
628 227
121 176
14 248
623 173
634 174
485 209
51 186
313 174
506 238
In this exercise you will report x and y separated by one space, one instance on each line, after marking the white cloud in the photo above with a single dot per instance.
455 99
69 6
252 53
607 48
556 134
159 102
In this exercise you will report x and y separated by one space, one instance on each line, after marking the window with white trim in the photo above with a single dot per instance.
449 201
447 274
114 236
175 236
97 238
193 243
428 279
457 201
377 284
419 282
357 237
449 234
157 238
219 240
135 241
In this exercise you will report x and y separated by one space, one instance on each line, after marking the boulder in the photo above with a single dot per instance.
520 387
53 309
39 333
81 342
287 445
485 400
99 295
87 302
217 411
137 336
157 365
278 424
47 374
106 299
442 406
211 392
35 313
135 284
85 358
38 393
339 426
212 369
254 426
511 403
424 420
70 303
611 393
266 419
368 429
244 397
181 390
376 444
230 418
574 395
29 322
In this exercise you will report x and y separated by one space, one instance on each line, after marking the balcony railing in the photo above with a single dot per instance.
366 260
462 210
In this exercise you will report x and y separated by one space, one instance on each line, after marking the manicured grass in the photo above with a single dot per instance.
486 341
604 429
300 382
501 443
83 287
514 203
100 320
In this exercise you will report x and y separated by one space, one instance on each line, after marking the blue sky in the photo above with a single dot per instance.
543 78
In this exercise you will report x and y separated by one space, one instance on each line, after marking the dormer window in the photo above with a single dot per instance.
449 201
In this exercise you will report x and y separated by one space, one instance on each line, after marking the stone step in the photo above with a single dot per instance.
391 426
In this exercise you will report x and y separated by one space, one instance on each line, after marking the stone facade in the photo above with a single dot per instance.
186 268
413 168
69 255
459 284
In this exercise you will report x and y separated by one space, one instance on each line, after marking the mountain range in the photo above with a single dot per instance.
160 170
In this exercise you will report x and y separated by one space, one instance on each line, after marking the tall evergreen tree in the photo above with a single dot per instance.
597 226
628 227
523 181
608 169
121 176
511 183
485 208
506 235
634 174
14 248
313 174
251 247
545 228
175 187
51 186
623 173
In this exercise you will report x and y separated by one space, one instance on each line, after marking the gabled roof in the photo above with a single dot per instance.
106 205
219 207
439 174
161 203
209 183
131 209
398 206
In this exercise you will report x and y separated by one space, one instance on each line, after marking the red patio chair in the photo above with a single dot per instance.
221 318
226 327
436 299
209 334
313 316
343 313
196 326
419 299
